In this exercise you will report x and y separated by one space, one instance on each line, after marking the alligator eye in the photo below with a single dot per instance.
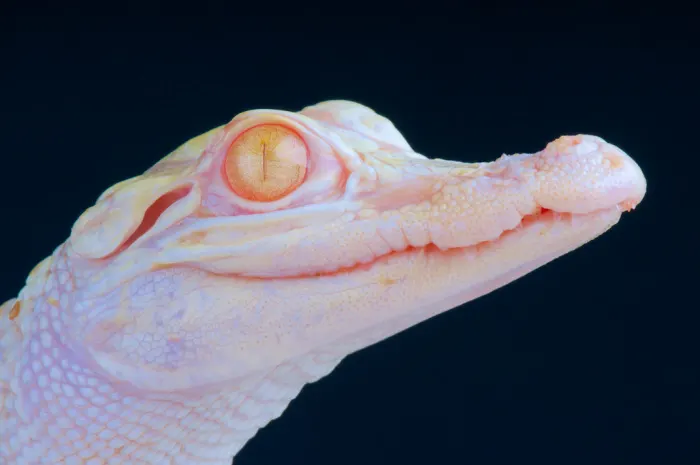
266 162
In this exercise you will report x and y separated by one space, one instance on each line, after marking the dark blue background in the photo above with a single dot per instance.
592 359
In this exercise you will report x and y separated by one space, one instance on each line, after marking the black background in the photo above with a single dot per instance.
592 359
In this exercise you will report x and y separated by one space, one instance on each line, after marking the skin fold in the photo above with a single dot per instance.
192 303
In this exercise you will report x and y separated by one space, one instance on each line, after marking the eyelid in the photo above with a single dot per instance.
326 174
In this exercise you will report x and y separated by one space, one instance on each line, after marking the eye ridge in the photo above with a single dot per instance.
265 163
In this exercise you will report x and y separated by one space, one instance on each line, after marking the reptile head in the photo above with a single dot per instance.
283 232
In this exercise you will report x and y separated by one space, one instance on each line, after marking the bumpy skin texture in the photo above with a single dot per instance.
179 317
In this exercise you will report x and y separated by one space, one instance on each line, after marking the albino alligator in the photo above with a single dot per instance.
192 303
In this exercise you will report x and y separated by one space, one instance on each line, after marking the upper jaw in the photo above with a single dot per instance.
453 205
421 202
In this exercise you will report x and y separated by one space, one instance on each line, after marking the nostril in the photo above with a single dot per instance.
573 145
615 160
585 147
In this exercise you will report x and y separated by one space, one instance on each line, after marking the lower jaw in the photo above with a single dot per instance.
460 275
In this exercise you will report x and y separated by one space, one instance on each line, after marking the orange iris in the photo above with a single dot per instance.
266 162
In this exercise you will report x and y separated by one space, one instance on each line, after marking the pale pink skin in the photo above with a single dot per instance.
179 346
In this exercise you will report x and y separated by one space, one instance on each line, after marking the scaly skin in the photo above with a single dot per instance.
181 317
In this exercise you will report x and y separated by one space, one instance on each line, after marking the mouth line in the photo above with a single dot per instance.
543 216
